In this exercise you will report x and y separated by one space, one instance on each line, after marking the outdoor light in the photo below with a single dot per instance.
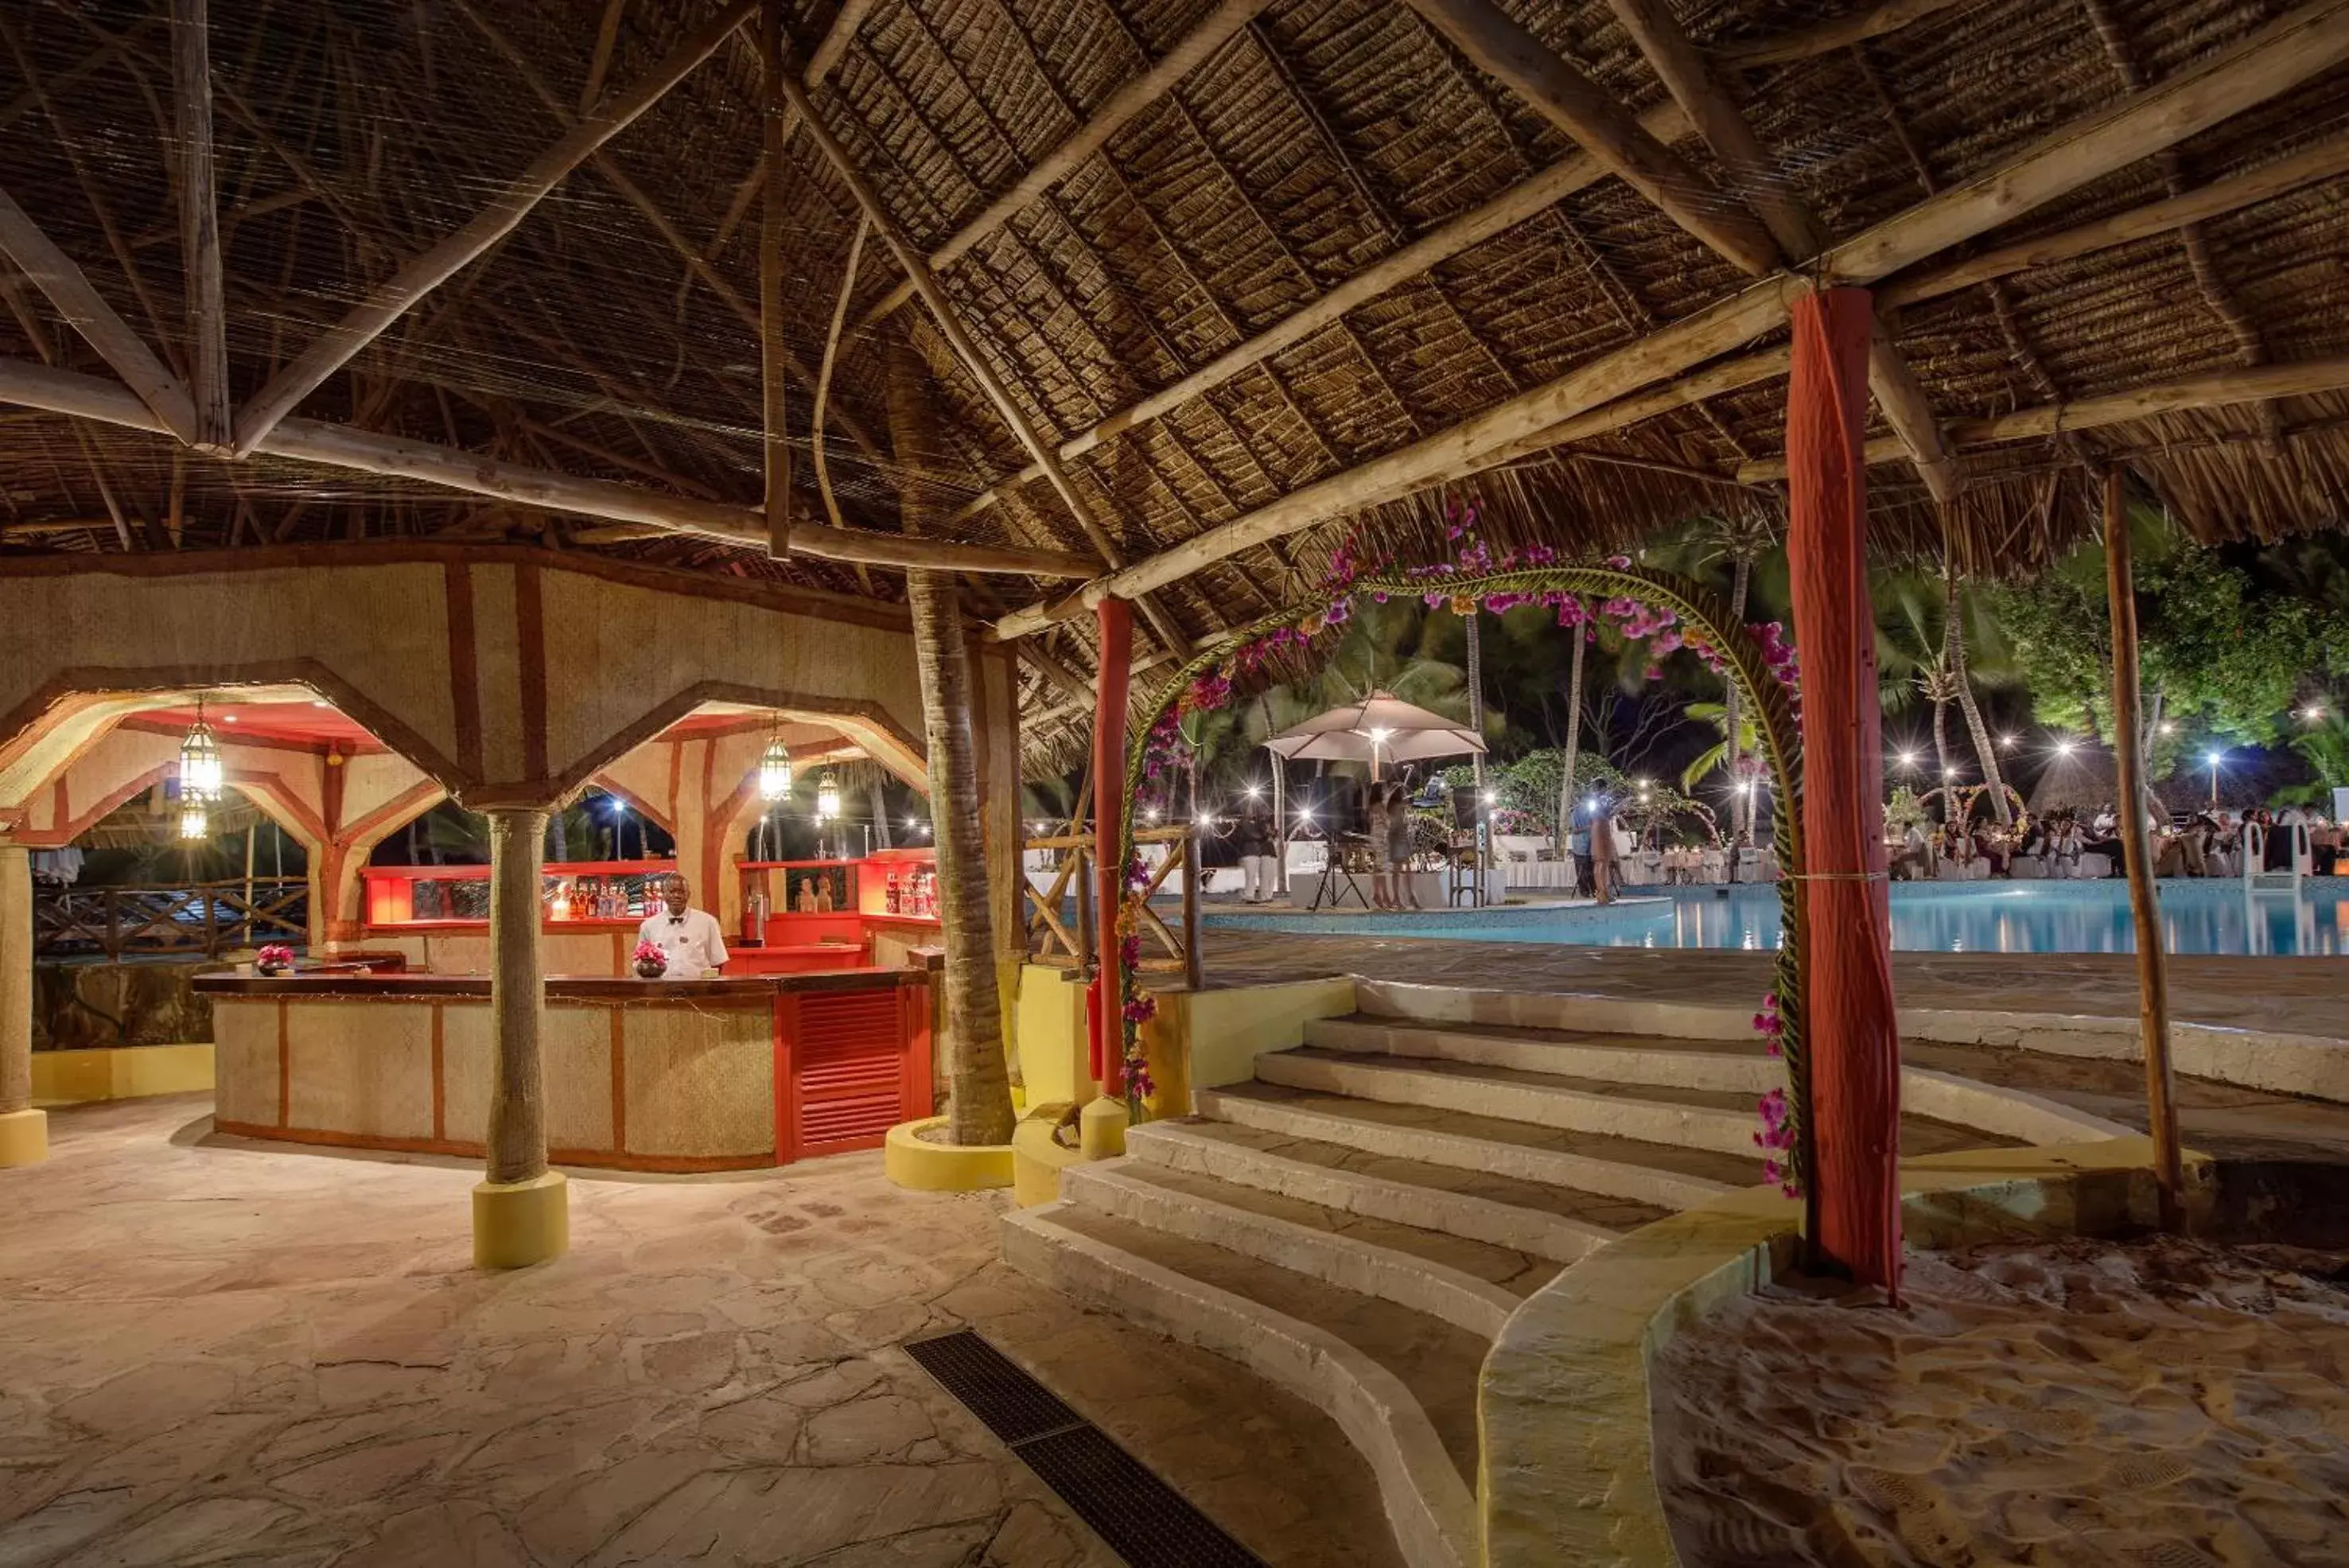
1379 737
2313 713
2167 728
2006 742
194 821
1255 791
1304 814
1908 759
1206 823
775 771
1948 772
2215 758
1152 813
827 796
201 774
1491 798
2063 748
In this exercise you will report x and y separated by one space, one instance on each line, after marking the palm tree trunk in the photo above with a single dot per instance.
1953 653
1741 802
1573 734
979 1107
877 802
1941 752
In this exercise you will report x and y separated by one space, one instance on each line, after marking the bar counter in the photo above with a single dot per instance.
724 1073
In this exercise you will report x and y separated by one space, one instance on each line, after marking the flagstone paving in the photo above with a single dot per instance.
214 1351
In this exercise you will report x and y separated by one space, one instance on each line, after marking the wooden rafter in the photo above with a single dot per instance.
86 312
2273 60
200 239
334 348
339 446
1584 112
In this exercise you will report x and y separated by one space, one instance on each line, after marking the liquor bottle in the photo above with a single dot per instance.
891 902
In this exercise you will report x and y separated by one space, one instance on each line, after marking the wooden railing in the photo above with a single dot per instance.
1053 939
207 918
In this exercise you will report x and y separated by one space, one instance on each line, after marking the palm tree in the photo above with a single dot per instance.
1733 743
1922 652
1953 660
978 1106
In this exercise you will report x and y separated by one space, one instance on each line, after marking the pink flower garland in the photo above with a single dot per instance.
1777 1135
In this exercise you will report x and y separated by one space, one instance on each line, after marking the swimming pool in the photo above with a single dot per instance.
2198 917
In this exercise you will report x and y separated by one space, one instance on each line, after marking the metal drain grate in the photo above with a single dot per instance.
1145 1521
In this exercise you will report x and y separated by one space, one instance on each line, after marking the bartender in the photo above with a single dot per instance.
686 937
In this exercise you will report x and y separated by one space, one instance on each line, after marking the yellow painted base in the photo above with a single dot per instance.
922 1166
1037 1162
24 1138
518 1224
119 1073
1101 1129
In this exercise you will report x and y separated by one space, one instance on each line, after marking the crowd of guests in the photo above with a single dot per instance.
2072 843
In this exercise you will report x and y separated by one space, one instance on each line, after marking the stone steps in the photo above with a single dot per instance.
1594 1163
1359 1221
1612 1058
1531 1218
1401 1385
1473 1285
1723 1123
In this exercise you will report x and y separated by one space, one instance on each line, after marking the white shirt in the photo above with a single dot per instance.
691 941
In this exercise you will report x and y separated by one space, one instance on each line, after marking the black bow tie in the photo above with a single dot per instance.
676 919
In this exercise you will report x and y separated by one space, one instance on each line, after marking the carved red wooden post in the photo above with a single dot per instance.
1853 1037
1110 690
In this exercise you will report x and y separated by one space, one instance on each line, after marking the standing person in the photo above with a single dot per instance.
1578 844
1374 813
1252 839
688 937
1399 847
1603 852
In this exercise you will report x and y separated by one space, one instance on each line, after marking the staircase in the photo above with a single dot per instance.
1358 1222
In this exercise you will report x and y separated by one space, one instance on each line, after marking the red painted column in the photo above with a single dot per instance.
1852 1036
1111 686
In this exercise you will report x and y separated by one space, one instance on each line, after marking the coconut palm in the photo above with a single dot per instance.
1924 626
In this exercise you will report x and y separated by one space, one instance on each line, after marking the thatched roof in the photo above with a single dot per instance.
1316 233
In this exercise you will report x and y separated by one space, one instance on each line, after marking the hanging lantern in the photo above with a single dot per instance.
202 776
827 797
195 822
775 771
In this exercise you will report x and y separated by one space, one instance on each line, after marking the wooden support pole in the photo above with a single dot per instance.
1194 872
772 367
2137 854
199 246
335 347
1112 692
23 1131
1507 51
339 446
1850 1031
519 1209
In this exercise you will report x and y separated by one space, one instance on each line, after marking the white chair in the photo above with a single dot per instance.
1949 871
2027 868
2257 878
2095 868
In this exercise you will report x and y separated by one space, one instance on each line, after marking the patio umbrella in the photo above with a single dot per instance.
1380 728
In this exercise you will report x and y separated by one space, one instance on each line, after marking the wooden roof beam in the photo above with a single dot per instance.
2321 160
2288 51
1835 32
339 446
1755 175
1584 111
68 288
2214 389
200 239
334 348
1138 94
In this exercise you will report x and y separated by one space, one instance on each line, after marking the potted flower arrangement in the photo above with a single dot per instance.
650 961
275 959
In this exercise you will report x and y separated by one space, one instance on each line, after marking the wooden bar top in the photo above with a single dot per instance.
747 988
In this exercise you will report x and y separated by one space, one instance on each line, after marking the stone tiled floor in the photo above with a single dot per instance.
218 1352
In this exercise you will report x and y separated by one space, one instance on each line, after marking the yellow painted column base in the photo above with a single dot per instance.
24 1138
518 1224
1101 1129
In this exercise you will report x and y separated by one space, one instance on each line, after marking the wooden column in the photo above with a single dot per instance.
1110 849
521 1213
2137 854
1850 1024
23 1131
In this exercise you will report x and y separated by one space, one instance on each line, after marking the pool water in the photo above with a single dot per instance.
2201 916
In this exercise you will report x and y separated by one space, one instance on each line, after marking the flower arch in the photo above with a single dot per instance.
1669 612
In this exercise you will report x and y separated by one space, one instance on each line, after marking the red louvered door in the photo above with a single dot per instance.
849 1065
